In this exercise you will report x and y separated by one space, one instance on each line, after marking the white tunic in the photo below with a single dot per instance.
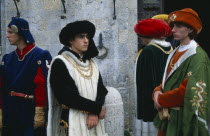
87 87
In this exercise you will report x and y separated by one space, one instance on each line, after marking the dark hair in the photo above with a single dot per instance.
192 35
71 38
144 36
72 29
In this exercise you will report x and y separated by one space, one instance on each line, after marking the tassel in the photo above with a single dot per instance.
164 114
64 128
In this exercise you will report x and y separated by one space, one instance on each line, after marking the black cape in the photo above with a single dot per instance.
149 72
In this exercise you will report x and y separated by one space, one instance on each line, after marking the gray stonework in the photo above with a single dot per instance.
114 113
117 69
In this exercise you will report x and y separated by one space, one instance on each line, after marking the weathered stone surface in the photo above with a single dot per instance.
114 120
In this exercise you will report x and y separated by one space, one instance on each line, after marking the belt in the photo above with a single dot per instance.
12 93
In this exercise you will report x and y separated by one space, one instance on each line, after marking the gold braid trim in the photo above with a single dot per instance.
79 68
64 128
166 52
137 55
64 123
171 64
24 55
63 106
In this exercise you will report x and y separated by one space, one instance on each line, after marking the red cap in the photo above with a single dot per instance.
155 28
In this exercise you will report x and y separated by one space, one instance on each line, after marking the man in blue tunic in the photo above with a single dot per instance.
24 73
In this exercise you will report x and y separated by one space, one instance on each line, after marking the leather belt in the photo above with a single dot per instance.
12 93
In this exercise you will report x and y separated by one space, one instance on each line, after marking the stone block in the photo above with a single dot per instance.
114 120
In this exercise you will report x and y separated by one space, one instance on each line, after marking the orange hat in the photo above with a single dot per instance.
187 16
155 28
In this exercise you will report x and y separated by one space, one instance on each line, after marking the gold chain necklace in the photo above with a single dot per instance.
79 69
77 65
166 52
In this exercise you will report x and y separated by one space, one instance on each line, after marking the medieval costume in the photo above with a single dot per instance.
185 86
24 76
150 66
75 87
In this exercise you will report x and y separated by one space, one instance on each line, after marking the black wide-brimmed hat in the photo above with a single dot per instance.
78 27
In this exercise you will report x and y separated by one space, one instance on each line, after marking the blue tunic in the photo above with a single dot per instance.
18 76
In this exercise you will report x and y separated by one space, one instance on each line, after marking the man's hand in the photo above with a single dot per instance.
91 121
102 113
156 95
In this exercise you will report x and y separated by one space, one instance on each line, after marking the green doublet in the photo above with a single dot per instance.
192 118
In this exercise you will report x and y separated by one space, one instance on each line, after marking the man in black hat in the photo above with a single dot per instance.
76 92
23 90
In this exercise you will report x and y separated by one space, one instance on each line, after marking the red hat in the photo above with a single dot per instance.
187 16
155 28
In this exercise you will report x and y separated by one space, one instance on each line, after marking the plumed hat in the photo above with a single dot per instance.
155 28
78 27
163 17
21 27
187 16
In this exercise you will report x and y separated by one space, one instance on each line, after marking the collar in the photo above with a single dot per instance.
24 51
75 59
81 58
160 42
186 47
190 51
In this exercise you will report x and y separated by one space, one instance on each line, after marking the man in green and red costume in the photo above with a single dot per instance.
183 98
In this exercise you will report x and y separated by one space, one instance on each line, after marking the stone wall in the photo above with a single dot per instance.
117 68
114 120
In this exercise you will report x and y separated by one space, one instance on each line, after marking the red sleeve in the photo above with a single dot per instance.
175 97
158 88
40 91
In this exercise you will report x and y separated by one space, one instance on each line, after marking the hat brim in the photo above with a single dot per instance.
78 27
